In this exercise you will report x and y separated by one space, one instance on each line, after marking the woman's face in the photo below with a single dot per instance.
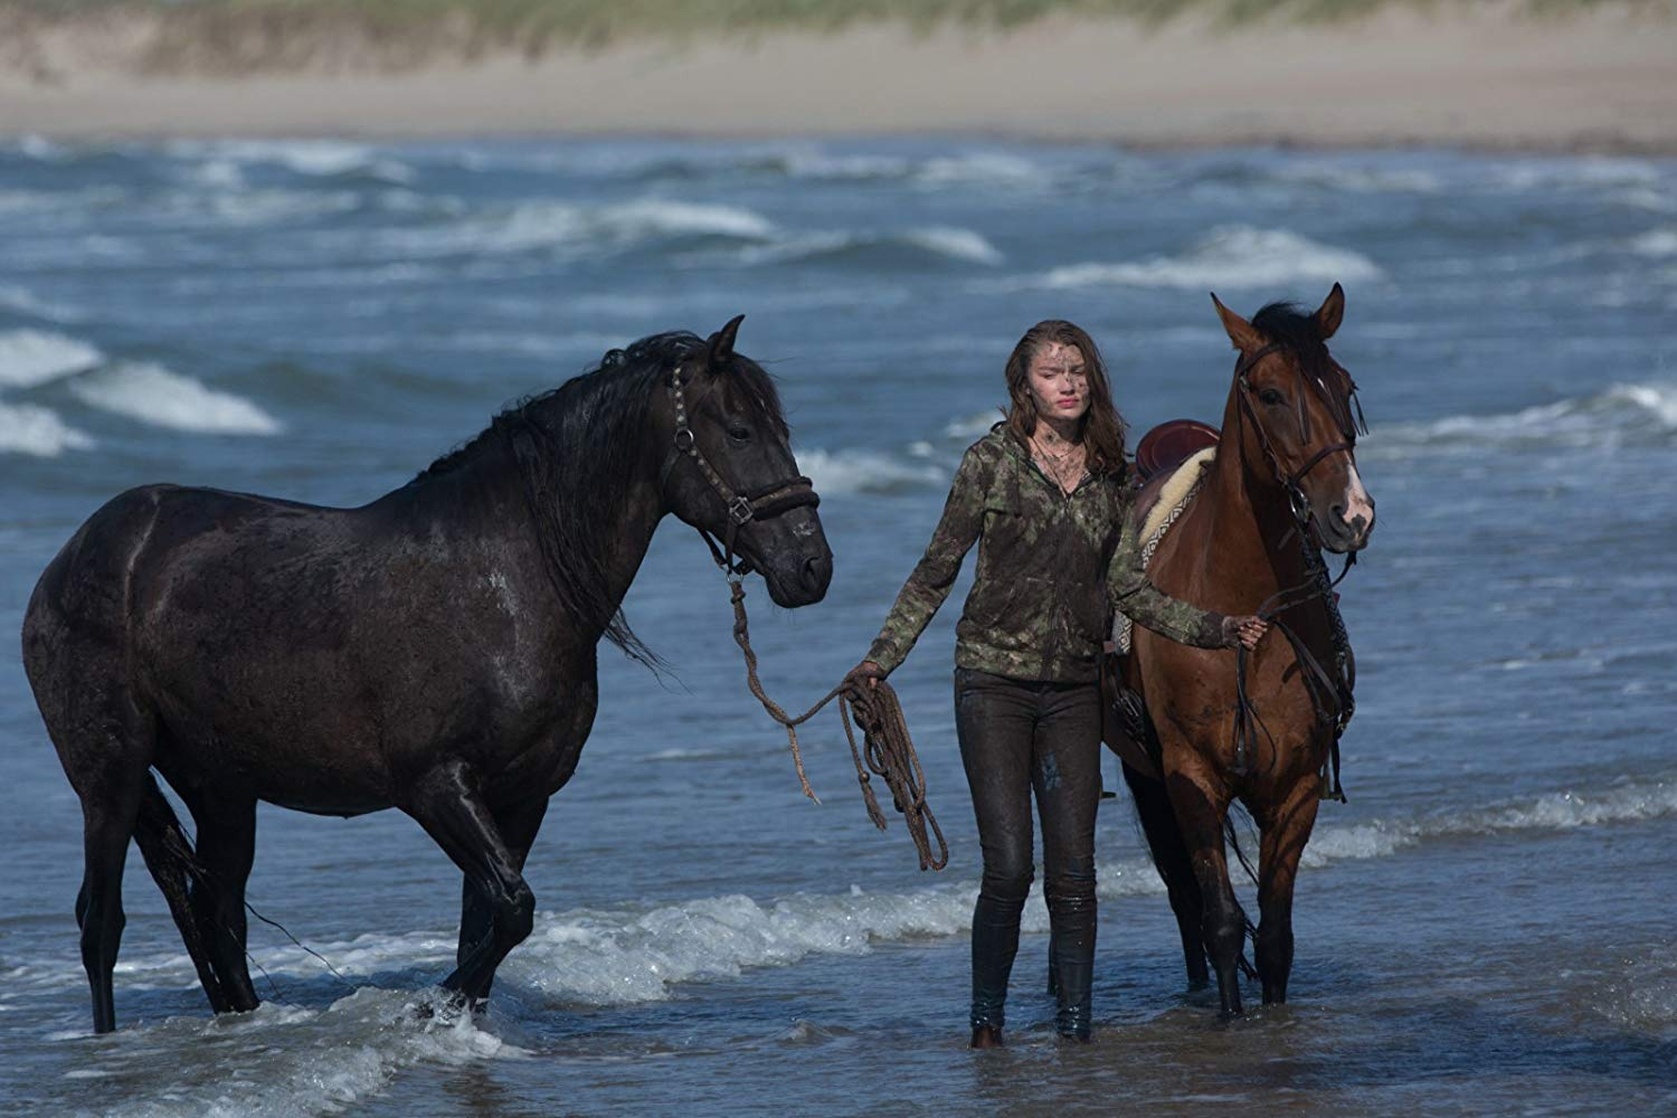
1058 382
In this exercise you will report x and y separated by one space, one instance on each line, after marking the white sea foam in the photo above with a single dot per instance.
267 207
540 225
982 168
961 244
1227 257
636 953
824 166
34 357
322 158
659 217
16 298
152 394
866 471
939 240
1547 174
972 426
311 1062
1661 242
1636 414
39 147
1566 810
1358 179
27 429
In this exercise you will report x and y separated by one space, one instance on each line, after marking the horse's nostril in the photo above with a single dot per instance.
818 569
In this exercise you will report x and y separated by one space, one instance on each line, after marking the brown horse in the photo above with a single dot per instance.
1261 729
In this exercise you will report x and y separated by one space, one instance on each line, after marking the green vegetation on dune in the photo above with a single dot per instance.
231 35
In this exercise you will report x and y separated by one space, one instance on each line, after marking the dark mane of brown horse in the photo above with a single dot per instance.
1295 329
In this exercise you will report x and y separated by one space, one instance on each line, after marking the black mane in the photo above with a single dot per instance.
1294 329
576 444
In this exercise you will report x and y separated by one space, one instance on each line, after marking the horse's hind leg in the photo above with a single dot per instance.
1170 858
518 827
106 756
1285 831
448 805
1223 924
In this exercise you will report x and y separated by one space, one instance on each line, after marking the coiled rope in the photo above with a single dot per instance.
887 751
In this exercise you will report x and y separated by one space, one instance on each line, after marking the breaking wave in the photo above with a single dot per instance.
29 358
1228 257
937 241
1621 415
152 394
37 431
867 471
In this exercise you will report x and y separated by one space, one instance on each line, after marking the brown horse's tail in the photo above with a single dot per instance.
176 867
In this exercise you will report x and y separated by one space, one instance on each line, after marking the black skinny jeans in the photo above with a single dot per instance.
1019 736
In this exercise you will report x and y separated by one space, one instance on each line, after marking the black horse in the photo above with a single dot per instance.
433 651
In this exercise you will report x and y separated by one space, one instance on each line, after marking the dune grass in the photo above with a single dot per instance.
284 34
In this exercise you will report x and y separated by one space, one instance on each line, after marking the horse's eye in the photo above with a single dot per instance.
739 434
1270 396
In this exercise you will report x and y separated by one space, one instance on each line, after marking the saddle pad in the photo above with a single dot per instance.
1178 489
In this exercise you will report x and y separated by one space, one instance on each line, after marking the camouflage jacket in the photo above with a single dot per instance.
1051 567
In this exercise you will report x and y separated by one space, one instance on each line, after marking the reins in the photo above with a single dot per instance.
887 750
1331 694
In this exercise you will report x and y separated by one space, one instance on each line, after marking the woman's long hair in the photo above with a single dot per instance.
1103 429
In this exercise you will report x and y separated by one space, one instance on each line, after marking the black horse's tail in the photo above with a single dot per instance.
176 868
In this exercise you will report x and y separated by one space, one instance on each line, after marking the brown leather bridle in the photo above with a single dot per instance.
1289 482
1331 694
742 507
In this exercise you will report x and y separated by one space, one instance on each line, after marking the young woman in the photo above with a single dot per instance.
1044 496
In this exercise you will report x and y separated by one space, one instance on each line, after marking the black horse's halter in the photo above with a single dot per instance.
1330 694
758 504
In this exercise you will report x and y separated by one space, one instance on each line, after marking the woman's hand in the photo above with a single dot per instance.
1245 631
867 671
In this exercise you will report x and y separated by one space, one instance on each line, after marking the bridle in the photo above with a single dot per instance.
742 507
1330 694
1289 482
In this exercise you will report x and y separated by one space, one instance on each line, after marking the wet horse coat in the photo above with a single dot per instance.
433 651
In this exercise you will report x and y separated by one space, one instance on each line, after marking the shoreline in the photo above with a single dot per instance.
1603 80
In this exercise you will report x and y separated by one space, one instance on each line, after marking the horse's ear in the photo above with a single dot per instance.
1331 313
722 342
1242 333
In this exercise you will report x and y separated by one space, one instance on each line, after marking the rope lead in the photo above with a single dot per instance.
887 750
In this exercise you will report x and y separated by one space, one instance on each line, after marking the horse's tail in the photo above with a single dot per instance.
176 867
1233 837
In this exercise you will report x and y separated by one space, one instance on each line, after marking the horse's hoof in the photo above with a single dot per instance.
986 1036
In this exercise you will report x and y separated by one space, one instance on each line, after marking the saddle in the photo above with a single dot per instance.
1169 461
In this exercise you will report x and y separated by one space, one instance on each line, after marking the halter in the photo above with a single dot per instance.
758 504
1324 688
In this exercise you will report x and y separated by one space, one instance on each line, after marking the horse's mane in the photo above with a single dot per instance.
577 444
1294 329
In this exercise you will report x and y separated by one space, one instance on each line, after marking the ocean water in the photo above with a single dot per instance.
1487 927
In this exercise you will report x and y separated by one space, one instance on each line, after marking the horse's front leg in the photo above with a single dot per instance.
1285 830
448 804
518 826
1201 805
